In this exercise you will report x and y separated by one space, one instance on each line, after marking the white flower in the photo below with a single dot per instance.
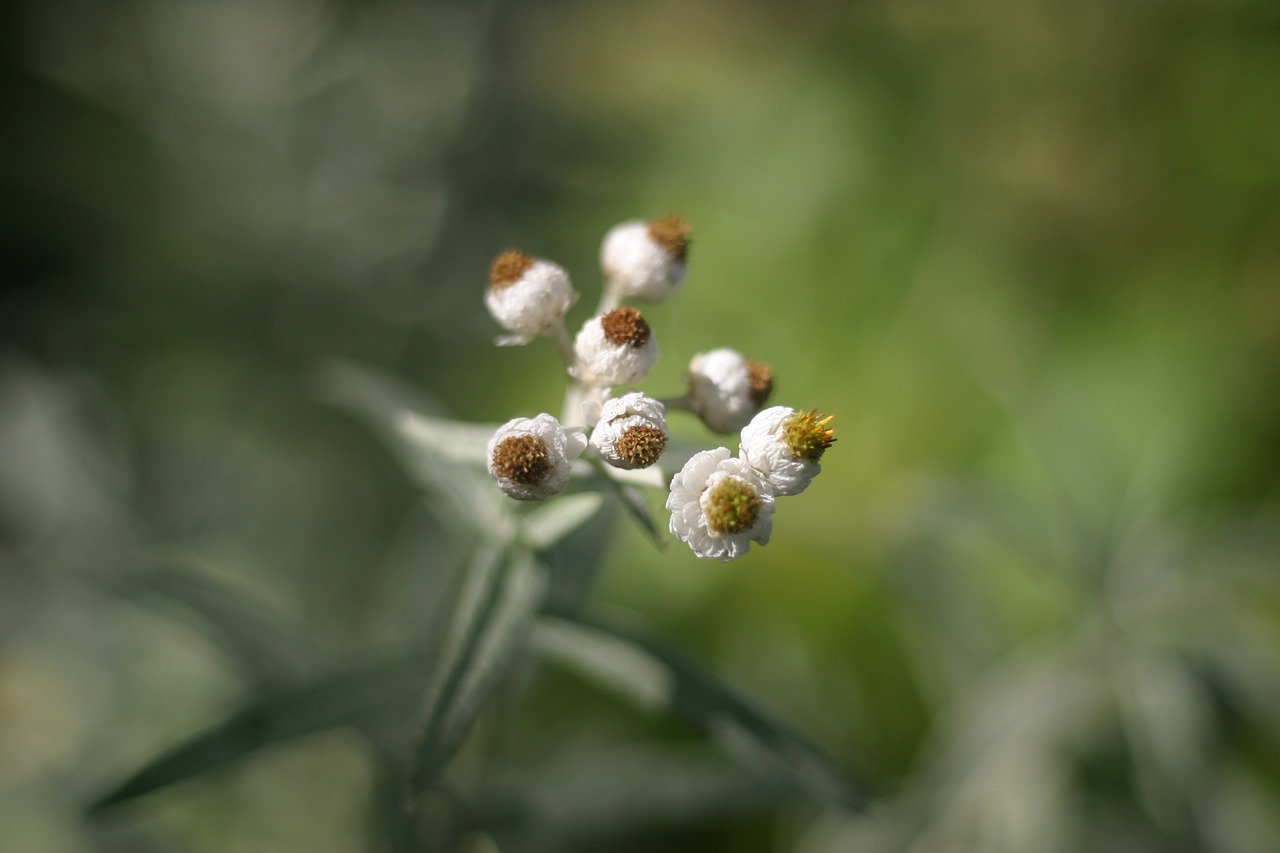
616 348
646 260
631 432
725 389
527 295
784 446
529 457
719 505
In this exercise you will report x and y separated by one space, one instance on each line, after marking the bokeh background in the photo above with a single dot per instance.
1028 254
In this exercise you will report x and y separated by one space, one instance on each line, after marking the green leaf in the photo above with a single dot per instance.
503 590
356 697
633 500
445 457
655 678
585 800
556 519
251 636
461 442
574 562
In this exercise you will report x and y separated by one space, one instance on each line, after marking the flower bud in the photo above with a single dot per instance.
631 432
527 295
646 260
616 348
725 389
529 457
719 505
784 446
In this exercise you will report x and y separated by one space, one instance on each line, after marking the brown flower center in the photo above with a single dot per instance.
625 326
672 234
760 380
641 445
732 507
508 268
522 458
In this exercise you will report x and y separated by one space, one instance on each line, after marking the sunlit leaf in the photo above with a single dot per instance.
501 594
556 519
655 678
439 453
461 442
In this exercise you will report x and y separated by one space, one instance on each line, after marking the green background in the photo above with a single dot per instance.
1027 253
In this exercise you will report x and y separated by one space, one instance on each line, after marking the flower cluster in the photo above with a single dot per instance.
719 503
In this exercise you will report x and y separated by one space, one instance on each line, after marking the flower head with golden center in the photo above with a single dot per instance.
720 505
784 446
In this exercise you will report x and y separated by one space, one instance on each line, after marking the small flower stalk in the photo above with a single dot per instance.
719 503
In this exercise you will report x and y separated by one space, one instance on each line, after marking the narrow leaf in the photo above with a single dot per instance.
347 698
574 562
462 442
440 454
248 632
653 677
492 619
634 502
556 519
593 798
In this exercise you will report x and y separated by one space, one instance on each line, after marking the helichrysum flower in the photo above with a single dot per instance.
631 432
726 390
529 457
719 505
615 348
784 446
527 295
646 260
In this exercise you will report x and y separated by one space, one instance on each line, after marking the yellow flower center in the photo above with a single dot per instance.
732 506
807 434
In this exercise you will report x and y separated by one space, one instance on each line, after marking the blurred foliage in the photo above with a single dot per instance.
1029 254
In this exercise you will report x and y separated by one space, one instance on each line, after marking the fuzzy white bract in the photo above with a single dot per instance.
645 260
527 295
615 348
529 457
784 446
726 390
631 432
720 505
